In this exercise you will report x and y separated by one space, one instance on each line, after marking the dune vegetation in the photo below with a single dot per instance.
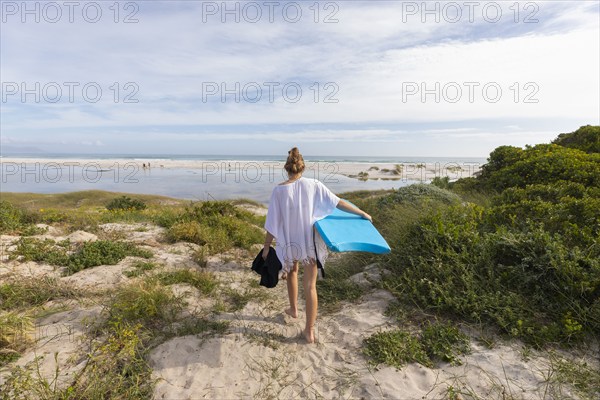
516 248
510 255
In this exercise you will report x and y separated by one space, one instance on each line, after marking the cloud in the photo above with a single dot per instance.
96 143
166 59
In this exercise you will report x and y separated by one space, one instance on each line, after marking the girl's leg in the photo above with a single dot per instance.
292 287
310 293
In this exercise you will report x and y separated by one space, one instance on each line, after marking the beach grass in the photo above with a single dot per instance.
116 368
204 281
15 335
139 268
25 293
437 342
85 210
337 288
576 374
217 225
395 348
84 199
146 302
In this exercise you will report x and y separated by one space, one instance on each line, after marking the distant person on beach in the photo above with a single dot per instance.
294 207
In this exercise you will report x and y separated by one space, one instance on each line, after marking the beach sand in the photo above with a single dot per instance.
262 355
318 169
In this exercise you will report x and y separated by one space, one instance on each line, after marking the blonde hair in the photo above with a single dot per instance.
295 162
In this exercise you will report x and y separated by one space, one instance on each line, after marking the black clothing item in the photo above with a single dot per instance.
267 269
319 265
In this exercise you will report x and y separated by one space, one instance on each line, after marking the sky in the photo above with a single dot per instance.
335 78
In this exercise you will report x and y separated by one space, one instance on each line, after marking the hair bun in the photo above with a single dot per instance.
295 162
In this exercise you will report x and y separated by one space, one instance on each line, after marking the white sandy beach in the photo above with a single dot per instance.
317 169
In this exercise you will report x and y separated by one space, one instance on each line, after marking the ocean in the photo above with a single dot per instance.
206 157
223 177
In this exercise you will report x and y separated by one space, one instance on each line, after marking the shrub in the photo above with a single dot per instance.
125 203
85 255
146 303
441 182
443 341
568 208
418 194
395 348
523 280
15 220
201 280
217 225
10 217
540 164
526 259
102 252
47 250
139 268
502 157
586 138
436 342
214 239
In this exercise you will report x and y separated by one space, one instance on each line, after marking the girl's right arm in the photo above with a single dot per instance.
345 206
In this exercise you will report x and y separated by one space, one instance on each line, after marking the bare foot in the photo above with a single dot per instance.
309 335
291 313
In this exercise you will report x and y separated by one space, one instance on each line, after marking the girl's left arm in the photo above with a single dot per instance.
268 240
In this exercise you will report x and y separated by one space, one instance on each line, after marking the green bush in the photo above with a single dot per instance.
443 341
14 220
525 280
139 268
125 203
214 239
102 252
568 208
418 194
10 217
541 164
217 225
436 342
441 182
502 157
526 259
201 280
47 250
85 255
586 138
396 348
147 303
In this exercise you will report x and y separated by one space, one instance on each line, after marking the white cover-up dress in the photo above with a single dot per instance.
293 210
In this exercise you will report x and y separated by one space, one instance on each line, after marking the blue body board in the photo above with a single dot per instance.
343 231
